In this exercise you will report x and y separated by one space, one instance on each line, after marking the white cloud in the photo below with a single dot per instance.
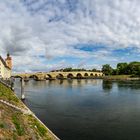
52 28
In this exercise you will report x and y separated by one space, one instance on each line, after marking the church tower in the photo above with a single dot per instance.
8 61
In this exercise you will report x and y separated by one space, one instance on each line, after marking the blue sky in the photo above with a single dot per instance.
44 35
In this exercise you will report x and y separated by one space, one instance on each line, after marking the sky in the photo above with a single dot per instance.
44 35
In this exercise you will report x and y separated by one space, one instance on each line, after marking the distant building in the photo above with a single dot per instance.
5 67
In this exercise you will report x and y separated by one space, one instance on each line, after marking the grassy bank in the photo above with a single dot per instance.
15 125
8 95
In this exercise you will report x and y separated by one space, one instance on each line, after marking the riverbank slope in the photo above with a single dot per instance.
17 121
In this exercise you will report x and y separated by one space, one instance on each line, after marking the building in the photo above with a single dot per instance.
5 67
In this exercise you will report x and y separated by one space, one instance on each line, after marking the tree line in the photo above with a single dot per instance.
76 69
132 68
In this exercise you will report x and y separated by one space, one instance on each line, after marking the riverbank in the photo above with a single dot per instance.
120 77
17 121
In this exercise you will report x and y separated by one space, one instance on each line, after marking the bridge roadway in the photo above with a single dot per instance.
58 75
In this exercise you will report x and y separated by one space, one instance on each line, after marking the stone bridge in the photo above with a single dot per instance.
59 75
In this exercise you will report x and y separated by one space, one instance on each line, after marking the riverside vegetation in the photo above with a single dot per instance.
16 125
122 71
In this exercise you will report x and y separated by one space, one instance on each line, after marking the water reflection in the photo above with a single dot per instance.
128 84
107 85
61 82
80 110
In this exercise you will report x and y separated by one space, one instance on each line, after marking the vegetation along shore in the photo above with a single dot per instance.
123 71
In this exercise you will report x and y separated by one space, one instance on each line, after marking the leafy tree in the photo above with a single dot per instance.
114 72
107 69
122 68
134 68
67 69
94 70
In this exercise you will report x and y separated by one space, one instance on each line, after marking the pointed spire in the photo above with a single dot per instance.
8 54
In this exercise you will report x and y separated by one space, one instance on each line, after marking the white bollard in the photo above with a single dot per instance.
22 96
22 89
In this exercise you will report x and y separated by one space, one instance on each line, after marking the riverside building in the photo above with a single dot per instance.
5 67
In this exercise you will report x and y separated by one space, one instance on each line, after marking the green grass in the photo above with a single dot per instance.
8 95
14 137
18 126
40 128
1 125
117 77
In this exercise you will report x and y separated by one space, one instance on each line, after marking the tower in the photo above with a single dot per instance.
8 61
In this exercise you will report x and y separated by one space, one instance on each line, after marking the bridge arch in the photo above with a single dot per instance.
48 76
70 75
79 75
86 74
17 76
91 75
96 75
60 76
35 77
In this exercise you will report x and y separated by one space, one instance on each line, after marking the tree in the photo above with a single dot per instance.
114 72
134 68
94 70
107 69
67 69
122 68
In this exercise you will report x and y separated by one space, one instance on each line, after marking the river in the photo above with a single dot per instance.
87 109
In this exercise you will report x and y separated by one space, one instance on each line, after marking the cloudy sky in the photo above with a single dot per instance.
43 35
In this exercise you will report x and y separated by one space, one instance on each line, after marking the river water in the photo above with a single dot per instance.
87 109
